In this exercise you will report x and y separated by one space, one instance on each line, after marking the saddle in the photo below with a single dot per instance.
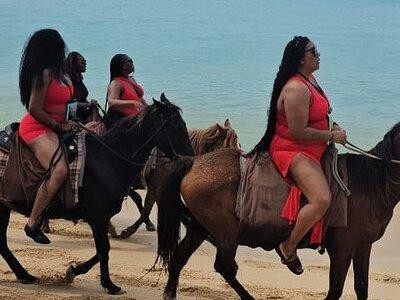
6 136
263 192
67 139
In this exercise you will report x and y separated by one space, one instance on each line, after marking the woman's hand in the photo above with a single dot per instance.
139 105
336 126
339 136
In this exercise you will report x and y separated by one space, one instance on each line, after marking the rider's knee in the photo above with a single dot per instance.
324 201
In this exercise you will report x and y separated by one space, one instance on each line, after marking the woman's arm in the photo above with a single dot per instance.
296 104
36 103
114 90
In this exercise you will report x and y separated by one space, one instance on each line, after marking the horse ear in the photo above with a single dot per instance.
227 124
221 129
159 105
163 98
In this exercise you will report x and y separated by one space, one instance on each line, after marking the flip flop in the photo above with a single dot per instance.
293 262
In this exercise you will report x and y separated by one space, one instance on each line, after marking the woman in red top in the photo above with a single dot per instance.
296 137
124 94
45 89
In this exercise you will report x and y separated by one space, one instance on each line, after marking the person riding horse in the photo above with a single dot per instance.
87 110
45 90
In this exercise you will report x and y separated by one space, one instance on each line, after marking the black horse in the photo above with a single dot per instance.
115 158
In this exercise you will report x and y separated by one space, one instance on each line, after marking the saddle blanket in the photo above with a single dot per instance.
262 194
75 168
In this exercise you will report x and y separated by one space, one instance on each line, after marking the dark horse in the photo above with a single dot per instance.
114 158
203 141
209 184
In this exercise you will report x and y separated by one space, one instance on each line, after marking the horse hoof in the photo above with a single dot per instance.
28 279
69 274
124 234
115 290
150 227
166 297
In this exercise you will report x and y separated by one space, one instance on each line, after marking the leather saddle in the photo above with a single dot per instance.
68 140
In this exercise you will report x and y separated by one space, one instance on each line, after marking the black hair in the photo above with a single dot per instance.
45 49
291 60
116 65
71 65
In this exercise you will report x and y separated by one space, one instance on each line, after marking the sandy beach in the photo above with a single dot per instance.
131 259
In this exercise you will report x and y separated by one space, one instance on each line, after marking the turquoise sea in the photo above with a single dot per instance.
218 59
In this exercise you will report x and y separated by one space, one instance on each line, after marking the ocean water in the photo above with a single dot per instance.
218 59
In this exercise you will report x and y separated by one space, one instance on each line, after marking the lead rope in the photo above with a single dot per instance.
336 175
358 150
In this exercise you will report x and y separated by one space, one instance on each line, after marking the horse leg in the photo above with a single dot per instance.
184 251
22 275
144 214
148 205
340 262
361 269
99 228
225 264
82 268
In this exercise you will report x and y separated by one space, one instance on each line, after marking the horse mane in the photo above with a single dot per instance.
212 138
135 122
373 180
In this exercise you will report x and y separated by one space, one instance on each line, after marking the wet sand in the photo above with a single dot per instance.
130 260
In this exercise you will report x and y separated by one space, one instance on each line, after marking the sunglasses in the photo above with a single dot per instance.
313 50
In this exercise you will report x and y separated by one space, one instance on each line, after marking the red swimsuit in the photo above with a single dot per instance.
56 98
283 148
130 91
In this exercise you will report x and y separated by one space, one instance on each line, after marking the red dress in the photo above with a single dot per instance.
56 98
130 91
283 148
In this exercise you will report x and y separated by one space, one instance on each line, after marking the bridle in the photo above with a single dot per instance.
130 160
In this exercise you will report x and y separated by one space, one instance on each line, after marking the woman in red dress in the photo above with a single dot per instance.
45 90
124 94
297 135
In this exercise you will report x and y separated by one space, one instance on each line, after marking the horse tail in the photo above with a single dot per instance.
168 221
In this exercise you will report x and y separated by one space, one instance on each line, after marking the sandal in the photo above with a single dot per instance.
292 262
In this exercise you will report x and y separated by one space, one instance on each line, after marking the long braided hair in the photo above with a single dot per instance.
291 61
45 49
116 65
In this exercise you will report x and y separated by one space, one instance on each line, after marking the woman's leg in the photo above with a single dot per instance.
44 148
312 182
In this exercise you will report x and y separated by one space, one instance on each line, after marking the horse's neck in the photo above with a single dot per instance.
127 152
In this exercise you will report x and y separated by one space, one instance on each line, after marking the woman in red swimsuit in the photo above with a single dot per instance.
124 94
296 137
45 89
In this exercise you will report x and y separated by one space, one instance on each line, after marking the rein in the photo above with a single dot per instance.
358 150
130 159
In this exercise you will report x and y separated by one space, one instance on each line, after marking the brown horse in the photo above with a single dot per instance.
209 185
203 141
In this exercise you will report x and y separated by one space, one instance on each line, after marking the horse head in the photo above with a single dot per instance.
169 129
